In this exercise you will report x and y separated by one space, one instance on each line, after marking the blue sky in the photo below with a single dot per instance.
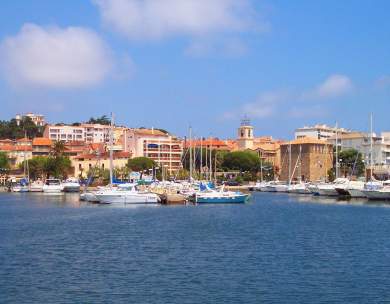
285 64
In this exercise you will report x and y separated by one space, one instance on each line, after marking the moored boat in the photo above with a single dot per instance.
71 185
36 186
329 189
126 194
211 196
52 186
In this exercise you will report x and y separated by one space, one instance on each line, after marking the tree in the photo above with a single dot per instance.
58 148
103 120
4 161
59 166
140 164
36 166
11 129
242 161
351 163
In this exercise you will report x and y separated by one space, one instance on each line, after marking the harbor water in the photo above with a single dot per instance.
277 248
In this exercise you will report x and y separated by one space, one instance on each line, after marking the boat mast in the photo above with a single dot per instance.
261 166
111 148
337 151
211 164
371 149
206 161
215 167
289 164
300 164
201 158
190 131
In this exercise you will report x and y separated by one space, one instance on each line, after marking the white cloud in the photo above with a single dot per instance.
266 105
383 82
294 103
334 86
156 19
54 57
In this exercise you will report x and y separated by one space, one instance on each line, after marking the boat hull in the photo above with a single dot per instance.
377 195
241 199
127 199
327 192
71 188
342 191
355 193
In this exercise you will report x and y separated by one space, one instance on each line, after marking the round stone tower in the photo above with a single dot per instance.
245 135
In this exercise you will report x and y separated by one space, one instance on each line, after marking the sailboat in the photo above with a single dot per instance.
124 193
23 184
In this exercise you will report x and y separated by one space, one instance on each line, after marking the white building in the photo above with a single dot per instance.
362 143
96 133
164 148
37 119
89 133
319 132
64 133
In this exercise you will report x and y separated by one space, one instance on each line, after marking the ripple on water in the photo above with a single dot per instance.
276 249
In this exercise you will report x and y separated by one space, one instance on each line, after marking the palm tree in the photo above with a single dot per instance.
58 148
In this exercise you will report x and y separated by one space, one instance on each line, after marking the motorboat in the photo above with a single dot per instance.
279 187
258 186
379 194
89 197
36 186
271 186
71 185
53 186
19 188
329 189
126 194
352 188
377 190
300 188
212 196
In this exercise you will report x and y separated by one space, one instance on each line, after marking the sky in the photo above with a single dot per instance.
207 64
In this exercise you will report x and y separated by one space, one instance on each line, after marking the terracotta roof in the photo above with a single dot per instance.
6 141
306 140
213 142
268 147
23 139
15 148
150 132
104 155
42 141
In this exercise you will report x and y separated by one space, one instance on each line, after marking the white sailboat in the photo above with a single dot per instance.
125 193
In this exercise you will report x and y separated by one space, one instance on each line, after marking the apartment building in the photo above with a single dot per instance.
89 133
319 131
64 133
96 133
165 149
37 119
83 163
362 143
17 151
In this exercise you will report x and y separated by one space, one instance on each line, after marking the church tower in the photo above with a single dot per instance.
245 135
